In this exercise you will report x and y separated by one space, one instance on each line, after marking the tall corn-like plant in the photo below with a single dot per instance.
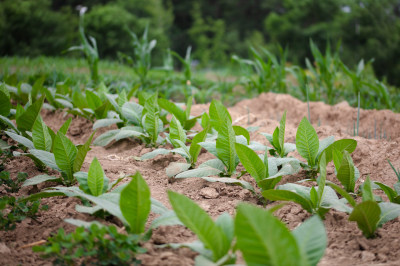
142 55
88 47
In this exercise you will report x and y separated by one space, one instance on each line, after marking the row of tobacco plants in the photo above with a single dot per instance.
253 230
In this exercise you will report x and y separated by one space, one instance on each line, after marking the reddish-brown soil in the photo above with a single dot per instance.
346 245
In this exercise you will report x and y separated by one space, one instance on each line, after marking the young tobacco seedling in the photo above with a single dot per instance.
183 116
315 200
392 194
177 137
369 214
11 185
265 240
277 140
141 121
13 211
310 148
102 245
66 158
216 237
265 171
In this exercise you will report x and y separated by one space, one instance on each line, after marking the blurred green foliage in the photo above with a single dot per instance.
368 29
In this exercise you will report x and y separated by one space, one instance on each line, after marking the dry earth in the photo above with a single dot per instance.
346 245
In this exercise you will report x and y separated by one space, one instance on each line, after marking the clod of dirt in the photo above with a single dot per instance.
209 193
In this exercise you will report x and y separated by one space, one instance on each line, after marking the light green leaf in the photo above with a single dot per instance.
226 146
195 148
39 179
132 112
106 138
26 120
325 143
5 103
282 125
263 239
389 211
46 157
311 239
346 174
21 140
175 168
343 144
240 131
106 122
81 154
154 153
367 215
95 178
197 220
199 172
173 109
64 128
287 195
176 131
307 142
40 135
367 193
135 203
251 162
65 154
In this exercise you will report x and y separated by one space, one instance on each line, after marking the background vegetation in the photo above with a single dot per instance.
368 29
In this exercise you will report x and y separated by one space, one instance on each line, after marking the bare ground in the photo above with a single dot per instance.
346 245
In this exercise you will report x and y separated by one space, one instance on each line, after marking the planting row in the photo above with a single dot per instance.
253 231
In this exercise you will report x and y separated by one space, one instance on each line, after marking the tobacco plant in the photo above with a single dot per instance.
315 200
11 185
216 237
265 240
277 140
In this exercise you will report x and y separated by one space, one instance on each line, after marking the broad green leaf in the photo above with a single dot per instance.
282 125
46 157
226 146
65 154
64 128
5 103
151 124
132 112
21 140
106 122
95 178
275 139
263 239
175 168
325 143
227 224
287 195
122 98
343 144
346 174
135 204
173 109
81 154
343 193
337 158
307 142
197 220
176 131
205 120
390 193
93 100
219 115
167 219
26 120
367 215
41 136
154 153
322 177
311 239
195 148
389 211
210 146
106 138
240 131
251 162
128 132
8 123
189 103
102 111
367 193
199 172
39 179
